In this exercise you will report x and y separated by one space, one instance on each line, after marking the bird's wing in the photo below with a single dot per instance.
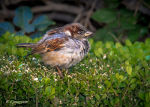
53 31
50 33
51 43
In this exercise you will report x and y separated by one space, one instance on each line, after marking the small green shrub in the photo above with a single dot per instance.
8 44
112 74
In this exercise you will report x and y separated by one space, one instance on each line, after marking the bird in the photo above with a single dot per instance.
62 47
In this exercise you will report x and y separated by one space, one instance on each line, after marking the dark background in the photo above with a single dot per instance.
90 13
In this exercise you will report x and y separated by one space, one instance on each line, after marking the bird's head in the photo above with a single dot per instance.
76 30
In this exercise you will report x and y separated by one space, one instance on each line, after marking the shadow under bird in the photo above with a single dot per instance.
62 47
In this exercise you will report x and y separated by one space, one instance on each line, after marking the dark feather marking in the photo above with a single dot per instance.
54 31
71 60
86 44
49 45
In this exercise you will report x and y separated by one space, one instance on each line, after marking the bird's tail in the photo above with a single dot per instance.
26 45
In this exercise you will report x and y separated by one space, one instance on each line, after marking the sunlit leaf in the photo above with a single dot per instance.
129 69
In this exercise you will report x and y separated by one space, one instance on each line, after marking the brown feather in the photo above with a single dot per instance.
49 45
53 31
26 45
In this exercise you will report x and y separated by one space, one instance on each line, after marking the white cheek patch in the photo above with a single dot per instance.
68 32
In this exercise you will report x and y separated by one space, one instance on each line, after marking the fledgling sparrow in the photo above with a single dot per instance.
62 47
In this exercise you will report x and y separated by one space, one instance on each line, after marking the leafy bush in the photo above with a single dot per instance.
23 18
118 24
8 44
110 75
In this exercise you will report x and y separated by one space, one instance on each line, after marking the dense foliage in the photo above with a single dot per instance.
115 20
22 20
110 75
118 25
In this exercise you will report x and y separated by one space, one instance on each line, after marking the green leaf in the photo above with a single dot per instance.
97 96
143 30
6 26
147 97
117 76
147 57
137 32
108 83
147 41
20 33
23 16
128 43
118 45
104 15
50 91
47 81
98 52
129 69
133 35
42 22
127 19
108 45
29 28
141 95
103 34
37 35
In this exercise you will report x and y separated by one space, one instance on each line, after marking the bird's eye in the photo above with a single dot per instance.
81 32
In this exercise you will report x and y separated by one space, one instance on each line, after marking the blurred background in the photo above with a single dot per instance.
110 20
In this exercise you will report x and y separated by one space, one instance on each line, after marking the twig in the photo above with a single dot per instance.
131 5
7 14
89 13
79 16
36 97
12 2
91 26
61 17
51 6
115 38
146 4
125 92
136 8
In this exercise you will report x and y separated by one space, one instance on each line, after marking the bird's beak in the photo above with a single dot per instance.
88 33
